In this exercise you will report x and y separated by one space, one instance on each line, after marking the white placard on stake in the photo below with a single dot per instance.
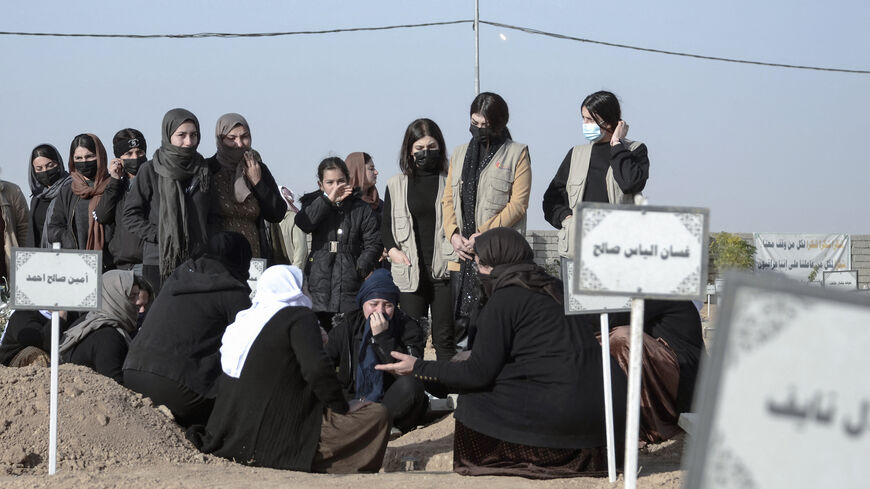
55 280
782 401
641 252
602 305
255 271
840 279
588 303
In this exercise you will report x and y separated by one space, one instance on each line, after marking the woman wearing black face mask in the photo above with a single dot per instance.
130 151
70 218
46 177
413 233
487 187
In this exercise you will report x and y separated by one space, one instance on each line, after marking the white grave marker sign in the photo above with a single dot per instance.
56 280
641 251
840 279
587 303
783 401
255 271
60 280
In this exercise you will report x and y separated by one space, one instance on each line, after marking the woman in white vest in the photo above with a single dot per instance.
413 232
609 168
488 187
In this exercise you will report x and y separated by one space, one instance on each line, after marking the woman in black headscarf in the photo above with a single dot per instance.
46 175
175 358
532 402
169 203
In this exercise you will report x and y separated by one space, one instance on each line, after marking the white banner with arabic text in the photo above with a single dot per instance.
796 255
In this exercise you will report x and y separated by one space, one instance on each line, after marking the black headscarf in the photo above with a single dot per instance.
512 259
39 190
233 251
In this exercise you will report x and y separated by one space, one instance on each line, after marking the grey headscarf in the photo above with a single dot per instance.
117 310
176 166
233 159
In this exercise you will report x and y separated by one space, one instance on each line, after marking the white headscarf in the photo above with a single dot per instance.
279 286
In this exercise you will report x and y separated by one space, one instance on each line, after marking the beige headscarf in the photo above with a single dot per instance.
233 159
117 311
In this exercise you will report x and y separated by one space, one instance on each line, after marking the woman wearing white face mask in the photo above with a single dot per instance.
609 168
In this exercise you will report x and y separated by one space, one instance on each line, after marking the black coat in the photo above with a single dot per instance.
181 336
68 219
102 350
334 277
142 213
272 205
271 415
28 328
404 335
533 377
126 247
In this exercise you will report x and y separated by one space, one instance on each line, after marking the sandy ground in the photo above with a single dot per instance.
112 437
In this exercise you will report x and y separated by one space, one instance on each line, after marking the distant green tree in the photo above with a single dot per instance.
730 251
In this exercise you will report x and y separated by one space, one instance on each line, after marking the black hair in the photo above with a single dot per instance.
82 141
332 163
604 107
46 151
144 285
492 107
419 129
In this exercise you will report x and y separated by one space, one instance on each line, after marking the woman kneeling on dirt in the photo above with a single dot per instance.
532 392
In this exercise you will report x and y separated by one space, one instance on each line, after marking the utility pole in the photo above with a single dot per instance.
476 47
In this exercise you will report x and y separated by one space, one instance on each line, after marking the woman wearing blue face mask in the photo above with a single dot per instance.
608 168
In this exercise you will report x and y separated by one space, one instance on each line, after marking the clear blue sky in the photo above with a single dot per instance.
766 149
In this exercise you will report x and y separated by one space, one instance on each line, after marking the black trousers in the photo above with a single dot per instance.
437 295
188 407
464 327
151 273
406 401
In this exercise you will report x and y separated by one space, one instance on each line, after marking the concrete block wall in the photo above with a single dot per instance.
544 243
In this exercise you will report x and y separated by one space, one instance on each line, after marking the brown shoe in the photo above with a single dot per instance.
31 355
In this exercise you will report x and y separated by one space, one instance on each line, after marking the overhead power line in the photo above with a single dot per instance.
527 30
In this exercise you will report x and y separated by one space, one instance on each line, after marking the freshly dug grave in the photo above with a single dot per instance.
100 424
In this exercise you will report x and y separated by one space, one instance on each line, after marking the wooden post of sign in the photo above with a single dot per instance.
632 412
608 396
52 418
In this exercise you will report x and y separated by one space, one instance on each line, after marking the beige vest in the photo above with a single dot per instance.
407 277
576 185
493 186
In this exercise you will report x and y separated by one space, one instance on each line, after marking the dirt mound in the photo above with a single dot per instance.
429 448
100 424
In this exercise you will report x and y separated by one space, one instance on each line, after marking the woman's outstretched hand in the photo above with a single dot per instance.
404 366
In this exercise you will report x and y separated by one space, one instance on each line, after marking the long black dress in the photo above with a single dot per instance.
271 415
534 379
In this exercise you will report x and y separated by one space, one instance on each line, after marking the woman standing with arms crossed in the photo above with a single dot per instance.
609 168
345 241
413 232
488 186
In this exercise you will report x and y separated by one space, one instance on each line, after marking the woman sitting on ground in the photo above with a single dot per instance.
280 403
532 402
101 339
